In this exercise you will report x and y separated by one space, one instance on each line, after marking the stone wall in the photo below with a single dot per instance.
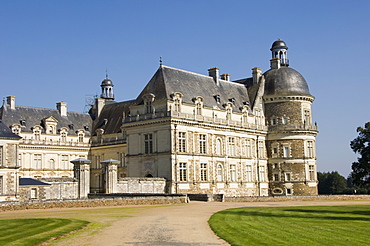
89 203
141 185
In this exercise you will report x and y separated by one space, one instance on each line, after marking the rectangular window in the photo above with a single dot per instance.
182 141
261 149
37 161
33 194
1 185
311 172
203 171
97 161
122 159
307 117
249 173
148 143
310 149
287 177
65 162
183 171
232 173
262 174
276 177
202 144
231 146
286 152
1 155
248 148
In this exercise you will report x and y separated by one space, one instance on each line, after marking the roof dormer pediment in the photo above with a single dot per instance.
50 119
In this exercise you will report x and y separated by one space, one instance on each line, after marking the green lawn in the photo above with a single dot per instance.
314 225
34 231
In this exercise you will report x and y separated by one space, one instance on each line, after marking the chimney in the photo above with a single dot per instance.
275 63
214 72
257 73
11 101
62 108
225 76
100 103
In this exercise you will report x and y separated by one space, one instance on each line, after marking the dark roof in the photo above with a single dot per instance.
279 44
29 181
33 116
285 81
111 117
168 80
5 132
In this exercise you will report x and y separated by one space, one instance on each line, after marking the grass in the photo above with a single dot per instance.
314 225
35 231
24 227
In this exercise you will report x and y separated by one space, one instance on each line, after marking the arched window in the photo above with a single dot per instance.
220 173
218 147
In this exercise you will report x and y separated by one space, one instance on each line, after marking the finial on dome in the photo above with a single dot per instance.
160 60
106 73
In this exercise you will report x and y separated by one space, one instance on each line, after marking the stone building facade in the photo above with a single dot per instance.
201 134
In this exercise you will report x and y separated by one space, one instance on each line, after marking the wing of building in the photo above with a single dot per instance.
202 134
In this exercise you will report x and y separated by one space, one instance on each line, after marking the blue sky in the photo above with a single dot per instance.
53 51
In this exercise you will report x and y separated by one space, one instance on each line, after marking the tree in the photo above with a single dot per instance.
361 169
331 183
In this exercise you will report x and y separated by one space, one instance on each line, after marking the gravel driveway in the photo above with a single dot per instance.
184 225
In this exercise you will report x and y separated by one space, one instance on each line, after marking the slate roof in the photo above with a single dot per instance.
168 80
111 117
5 132
29 181
33 116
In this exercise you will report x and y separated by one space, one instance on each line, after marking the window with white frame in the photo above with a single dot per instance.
1 156
148 143
81 136
310 151
276 177
202 143
182 141
284 120
220 174
65 162
232 172
307 117
231 146
37 161
148 100
248 173
262 173
33 193
288 177
261 149
183 171
286 151
1 185
203 172
275 150
177 104
37 133
311 172
198 105
248 148
218 146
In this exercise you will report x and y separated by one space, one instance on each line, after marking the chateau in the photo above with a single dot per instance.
185 133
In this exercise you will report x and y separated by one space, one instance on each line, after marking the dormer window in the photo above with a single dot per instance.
148 100
63 134
81 135
177 99
16 129
198 105
86 128
37 132
232 100
22 122
217 98
71 126
50 124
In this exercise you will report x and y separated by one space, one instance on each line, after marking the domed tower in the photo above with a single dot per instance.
291 135
107 89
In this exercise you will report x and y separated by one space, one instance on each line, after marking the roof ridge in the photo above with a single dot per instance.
48 109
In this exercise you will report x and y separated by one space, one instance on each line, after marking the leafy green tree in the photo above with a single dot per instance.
361 169
331 183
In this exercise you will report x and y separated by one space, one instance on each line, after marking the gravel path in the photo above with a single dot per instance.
184 225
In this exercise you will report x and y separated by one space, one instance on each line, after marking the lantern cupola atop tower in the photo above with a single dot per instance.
279 50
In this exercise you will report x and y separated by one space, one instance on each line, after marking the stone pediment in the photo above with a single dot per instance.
50 119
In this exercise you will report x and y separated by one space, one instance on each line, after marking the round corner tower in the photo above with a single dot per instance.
291 134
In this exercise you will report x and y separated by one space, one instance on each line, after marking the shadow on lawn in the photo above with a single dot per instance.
303 213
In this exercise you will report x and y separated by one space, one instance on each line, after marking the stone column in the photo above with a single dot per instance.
110 175
81 170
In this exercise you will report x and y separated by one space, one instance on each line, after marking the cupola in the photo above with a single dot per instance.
279 50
